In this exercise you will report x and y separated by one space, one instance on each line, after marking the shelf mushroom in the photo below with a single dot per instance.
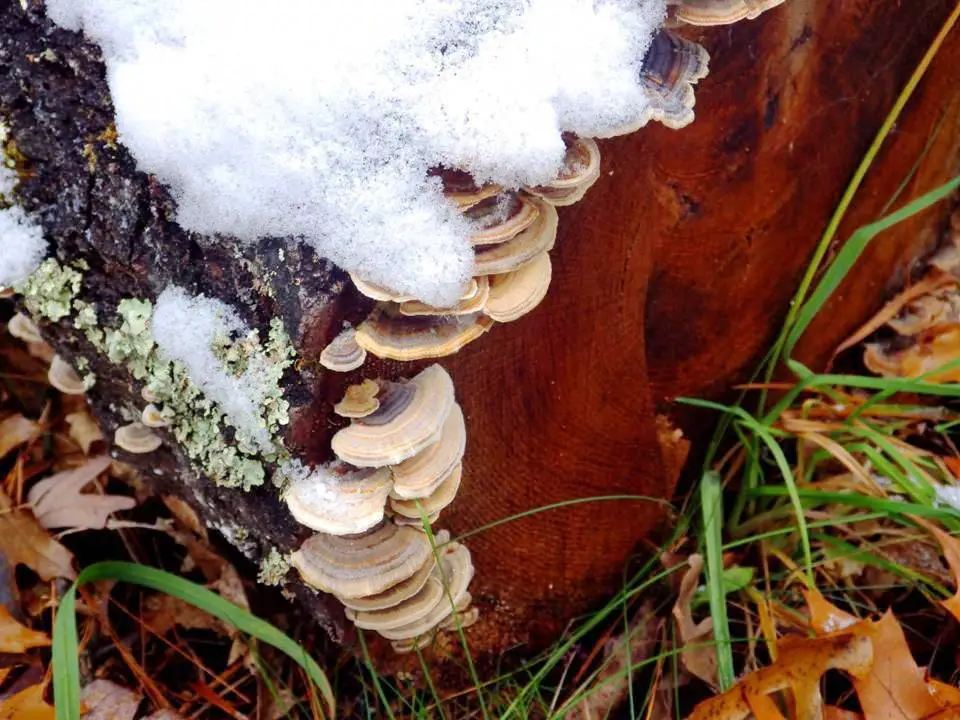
338 499
410 418
362 565
343 354
137 438
719 12
64 378
422 474
388 333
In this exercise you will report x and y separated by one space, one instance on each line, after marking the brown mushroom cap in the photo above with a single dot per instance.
411 610
460 188
443 495
24 328
513 295
581 169
455 571
463 618
389 334
719 12
479 289
396 594
501 217
137 438
420 475
377 292
361 565
339 500
389 436
153 417
402 647
64 378
516 252
359 400
343 354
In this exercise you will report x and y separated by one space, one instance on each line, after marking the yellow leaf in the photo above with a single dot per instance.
26 705
15 638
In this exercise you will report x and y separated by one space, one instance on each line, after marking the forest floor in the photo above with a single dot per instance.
813 569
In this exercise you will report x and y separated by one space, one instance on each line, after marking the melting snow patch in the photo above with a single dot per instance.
949 495
321 118
199 331
22 246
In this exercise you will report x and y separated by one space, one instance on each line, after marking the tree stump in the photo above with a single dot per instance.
670 279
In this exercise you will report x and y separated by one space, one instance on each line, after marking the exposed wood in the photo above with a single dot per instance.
670 278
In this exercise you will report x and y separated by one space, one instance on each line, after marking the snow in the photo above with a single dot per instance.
321 118
949 495
22 246
187 328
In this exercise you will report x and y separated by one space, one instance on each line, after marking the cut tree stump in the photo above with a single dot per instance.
670 278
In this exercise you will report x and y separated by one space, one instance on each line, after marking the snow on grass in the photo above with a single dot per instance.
321 118
208 337
22 246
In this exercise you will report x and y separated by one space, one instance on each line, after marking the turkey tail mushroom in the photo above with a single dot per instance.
718 12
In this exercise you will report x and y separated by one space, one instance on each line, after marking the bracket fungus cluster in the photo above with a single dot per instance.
513 231
398 461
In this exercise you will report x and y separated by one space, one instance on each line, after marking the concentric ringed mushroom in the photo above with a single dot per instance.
386 333
480 288
64 378
501 217
516 252
719 12
420 475
581 169
432 504
411 610
137 438
387 436
361 565
343 354
514 294
359 400
339 500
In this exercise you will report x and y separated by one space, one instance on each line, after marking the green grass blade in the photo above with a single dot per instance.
711 503
66 670
851 251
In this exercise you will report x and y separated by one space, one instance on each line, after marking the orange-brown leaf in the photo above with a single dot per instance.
24 541
800 664
26 705
15 638
895 688
951 551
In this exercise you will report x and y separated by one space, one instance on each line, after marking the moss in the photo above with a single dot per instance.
274 568
49 292
196 422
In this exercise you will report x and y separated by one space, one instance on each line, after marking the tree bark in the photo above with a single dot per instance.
670 279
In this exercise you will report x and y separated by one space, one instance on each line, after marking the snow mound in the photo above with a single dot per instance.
207 336
321 118
22 246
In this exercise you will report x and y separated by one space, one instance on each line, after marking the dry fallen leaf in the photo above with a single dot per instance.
58 503
895 688
951 551
24 541
105 700
15 638
15 431
698 656
26 705
800 663
84 431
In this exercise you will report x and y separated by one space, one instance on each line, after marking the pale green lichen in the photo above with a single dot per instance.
196 422
49 292
274 568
